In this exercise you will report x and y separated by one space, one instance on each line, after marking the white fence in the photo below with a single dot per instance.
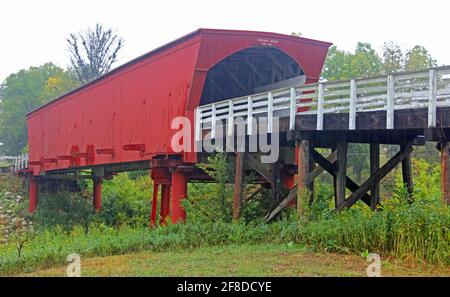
20 162
428 89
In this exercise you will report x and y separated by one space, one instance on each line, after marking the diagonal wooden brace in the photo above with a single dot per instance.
292 194
377 177
255 165
331 169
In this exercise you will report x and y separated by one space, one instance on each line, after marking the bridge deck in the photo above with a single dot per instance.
415 102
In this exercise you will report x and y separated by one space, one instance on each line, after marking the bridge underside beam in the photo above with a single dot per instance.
406 119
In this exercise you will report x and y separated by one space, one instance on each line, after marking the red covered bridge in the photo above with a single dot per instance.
122 121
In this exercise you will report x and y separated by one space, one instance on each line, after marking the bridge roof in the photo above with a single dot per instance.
180 40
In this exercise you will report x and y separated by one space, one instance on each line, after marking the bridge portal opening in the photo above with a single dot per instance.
250 71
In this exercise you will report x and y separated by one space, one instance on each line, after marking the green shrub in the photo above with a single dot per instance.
126 201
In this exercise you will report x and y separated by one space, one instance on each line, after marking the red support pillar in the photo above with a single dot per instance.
33 189
165 204
154 204
179 192
97 194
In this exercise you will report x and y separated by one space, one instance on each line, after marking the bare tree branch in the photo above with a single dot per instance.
93 52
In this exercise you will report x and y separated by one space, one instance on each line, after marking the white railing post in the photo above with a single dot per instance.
213 121
230 125
249 115
198 123
432 98
26 163
320 99
390 102
352 111
269 112
292 110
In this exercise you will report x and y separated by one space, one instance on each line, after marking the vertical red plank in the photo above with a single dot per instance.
179 192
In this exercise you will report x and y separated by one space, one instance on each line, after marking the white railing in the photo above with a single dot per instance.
20 162
409 90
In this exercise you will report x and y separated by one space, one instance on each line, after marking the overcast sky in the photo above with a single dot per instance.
33 32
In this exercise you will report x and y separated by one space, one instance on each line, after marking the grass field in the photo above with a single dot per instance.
247 260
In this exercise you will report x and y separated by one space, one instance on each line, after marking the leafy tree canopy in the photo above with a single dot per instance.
365 61
22 92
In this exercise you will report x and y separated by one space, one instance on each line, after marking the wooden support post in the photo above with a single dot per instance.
407 175
311 177
33 192
341 174
445 167
276 183
303 174
97 194
238 186
374 166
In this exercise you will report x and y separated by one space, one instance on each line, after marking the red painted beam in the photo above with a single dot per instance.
65 158
51 160
107 151
134 147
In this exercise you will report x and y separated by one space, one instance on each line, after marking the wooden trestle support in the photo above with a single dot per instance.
311 163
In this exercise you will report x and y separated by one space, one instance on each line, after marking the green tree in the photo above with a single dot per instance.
393 58
418 58
337 64
365 62
22 92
